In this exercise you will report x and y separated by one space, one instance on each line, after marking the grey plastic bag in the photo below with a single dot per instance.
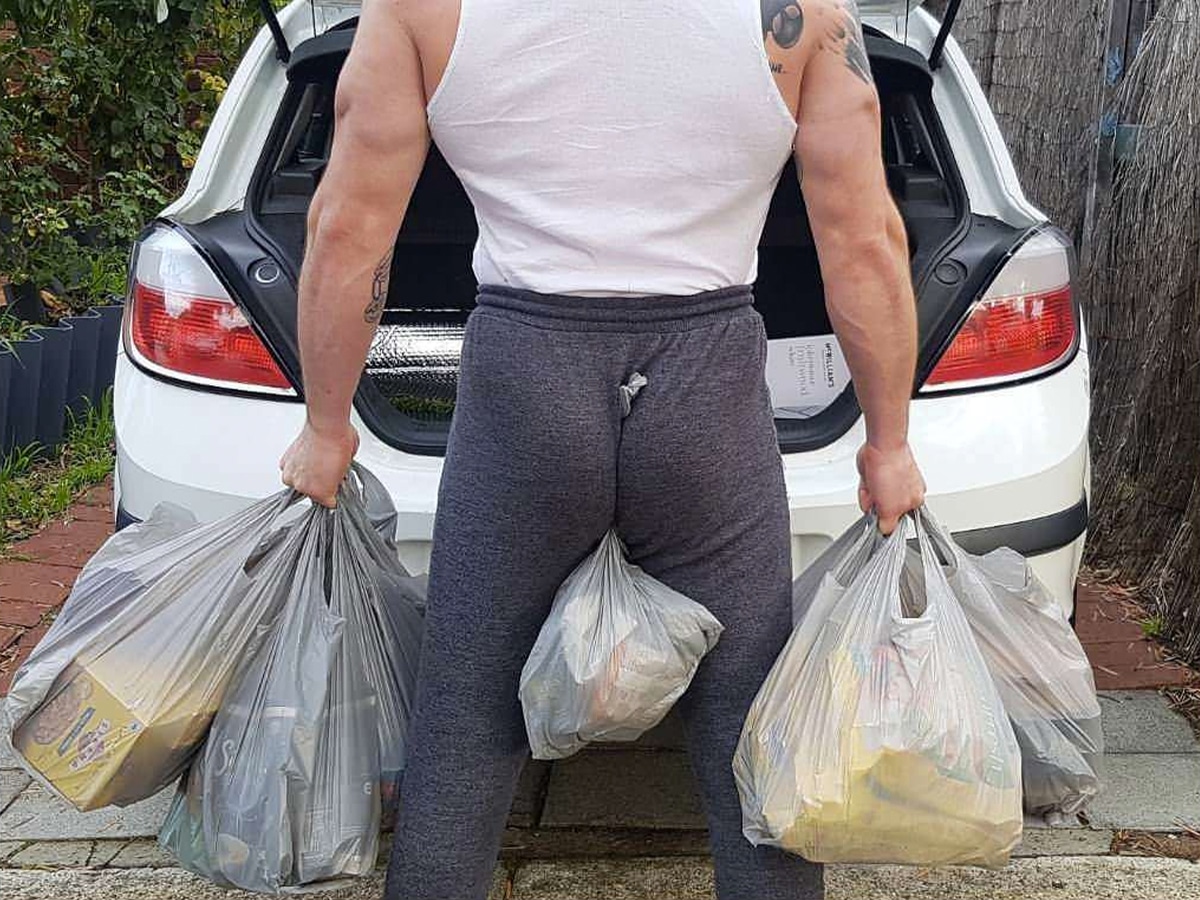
385 637
234 824
1041 671
117 697
289 789
616 652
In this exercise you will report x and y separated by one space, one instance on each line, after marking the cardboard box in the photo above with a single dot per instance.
99 741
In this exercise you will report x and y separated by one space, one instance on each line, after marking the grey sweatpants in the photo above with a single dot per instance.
540 463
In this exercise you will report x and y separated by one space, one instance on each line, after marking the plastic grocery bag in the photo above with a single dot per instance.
878 735
272 716
1043 676
290 786
616 652
116 698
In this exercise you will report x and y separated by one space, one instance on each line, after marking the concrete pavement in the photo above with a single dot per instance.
625 824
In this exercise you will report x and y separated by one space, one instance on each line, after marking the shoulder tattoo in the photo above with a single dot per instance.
844 35
783 20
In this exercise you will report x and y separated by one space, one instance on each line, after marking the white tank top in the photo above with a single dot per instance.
613 146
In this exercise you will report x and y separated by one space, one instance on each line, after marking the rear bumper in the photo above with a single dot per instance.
1005 467
1032 538
1053 544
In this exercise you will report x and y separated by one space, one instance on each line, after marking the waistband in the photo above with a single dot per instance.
636 314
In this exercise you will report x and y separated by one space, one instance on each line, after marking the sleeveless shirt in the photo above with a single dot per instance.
613 146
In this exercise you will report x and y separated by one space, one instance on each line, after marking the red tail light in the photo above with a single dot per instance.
1025 324
1010 336
182 322
205 338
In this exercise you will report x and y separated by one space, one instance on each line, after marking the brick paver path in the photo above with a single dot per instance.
1123 657
35 581
36 575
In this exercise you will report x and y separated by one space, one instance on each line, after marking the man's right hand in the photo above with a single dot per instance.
318 461
889 482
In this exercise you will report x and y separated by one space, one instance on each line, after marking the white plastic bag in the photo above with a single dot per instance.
616 652
1043 676
878 735
290 787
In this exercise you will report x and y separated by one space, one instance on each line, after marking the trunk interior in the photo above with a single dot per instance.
412 370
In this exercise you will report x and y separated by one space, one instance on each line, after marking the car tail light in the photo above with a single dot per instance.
1027 322
182 322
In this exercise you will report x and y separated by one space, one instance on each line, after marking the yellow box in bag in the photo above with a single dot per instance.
92 743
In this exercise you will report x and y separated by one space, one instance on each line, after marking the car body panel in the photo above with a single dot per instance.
1006 455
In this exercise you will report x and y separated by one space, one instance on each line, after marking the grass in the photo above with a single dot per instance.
12 329
1153 626
35 488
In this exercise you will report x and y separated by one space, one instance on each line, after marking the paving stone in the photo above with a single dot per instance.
85 513
37 815
1042 841
1143 722
9 635
28 641
53 854
667 735
1097 623
100 495
530 790
19 613
65 544
15 574
1069 878
103 851
8 848
603 843
12 782
629 788
165 884
43 593
1046 878
141 855
643 879
1132 665
1149 791
8 759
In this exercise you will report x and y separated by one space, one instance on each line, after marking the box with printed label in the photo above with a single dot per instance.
98 742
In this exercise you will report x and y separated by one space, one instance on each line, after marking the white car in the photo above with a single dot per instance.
207 389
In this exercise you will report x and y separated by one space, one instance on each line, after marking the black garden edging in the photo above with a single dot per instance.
65 366
85 347
20 424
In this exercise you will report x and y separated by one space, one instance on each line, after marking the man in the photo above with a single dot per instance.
621 157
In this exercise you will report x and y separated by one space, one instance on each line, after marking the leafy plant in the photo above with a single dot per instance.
34 489
103 111
12 329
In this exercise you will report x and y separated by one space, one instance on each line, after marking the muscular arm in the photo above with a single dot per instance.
380 143
861 244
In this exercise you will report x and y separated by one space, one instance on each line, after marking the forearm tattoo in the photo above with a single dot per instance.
845 35
373 314
783 20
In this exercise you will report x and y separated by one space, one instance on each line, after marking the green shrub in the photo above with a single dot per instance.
103 111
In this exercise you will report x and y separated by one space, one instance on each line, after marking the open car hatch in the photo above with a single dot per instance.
328 14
